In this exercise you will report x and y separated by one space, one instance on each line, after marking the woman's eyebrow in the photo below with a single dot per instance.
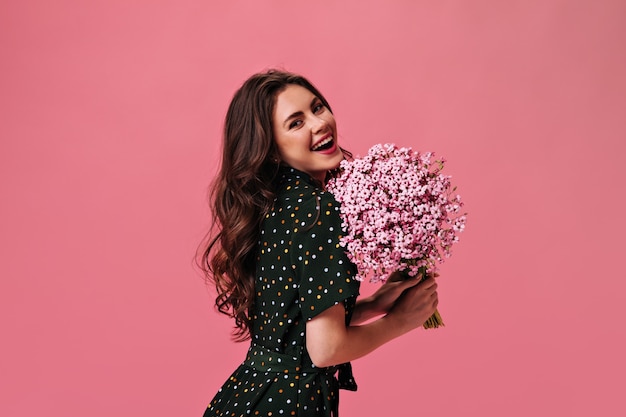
291 116
299 113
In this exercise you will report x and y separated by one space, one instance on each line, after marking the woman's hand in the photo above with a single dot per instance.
383 300
385 297
415 305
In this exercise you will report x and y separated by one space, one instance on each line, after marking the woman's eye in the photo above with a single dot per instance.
318 107
295 123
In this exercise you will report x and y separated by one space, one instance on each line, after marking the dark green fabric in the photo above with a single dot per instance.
301 271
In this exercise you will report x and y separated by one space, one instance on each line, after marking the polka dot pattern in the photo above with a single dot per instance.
301 271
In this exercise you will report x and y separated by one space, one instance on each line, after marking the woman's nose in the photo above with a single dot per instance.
319 125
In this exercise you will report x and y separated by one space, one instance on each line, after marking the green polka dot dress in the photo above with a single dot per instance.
301 271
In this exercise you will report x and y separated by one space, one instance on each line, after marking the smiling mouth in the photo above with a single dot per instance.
323 145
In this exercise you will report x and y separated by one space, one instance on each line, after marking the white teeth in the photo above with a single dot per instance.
322 143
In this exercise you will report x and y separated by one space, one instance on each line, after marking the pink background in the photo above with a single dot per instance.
110 122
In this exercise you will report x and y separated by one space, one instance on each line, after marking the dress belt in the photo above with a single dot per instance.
263 359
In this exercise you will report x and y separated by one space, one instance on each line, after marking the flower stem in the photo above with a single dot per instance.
434 321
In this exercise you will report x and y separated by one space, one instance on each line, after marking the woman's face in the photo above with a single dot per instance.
305 132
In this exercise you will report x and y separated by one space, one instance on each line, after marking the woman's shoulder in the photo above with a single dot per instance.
307 199
300 186
303 199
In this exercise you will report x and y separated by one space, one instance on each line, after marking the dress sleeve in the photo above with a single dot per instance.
326 274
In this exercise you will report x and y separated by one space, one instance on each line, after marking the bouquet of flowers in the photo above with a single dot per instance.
399 213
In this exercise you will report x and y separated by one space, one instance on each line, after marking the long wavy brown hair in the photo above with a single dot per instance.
243 192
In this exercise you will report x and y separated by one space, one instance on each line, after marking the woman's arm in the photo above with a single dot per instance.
329 342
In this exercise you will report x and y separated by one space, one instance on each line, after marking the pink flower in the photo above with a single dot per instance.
399 212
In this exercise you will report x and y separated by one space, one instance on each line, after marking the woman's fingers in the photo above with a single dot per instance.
428 283
421 298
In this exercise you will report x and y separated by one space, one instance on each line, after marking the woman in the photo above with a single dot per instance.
276 260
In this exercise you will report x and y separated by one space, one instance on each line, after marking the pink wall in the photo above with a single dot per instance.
110 119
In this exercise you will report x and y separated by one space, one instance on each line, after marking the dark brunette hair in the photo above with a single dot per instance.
243 192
